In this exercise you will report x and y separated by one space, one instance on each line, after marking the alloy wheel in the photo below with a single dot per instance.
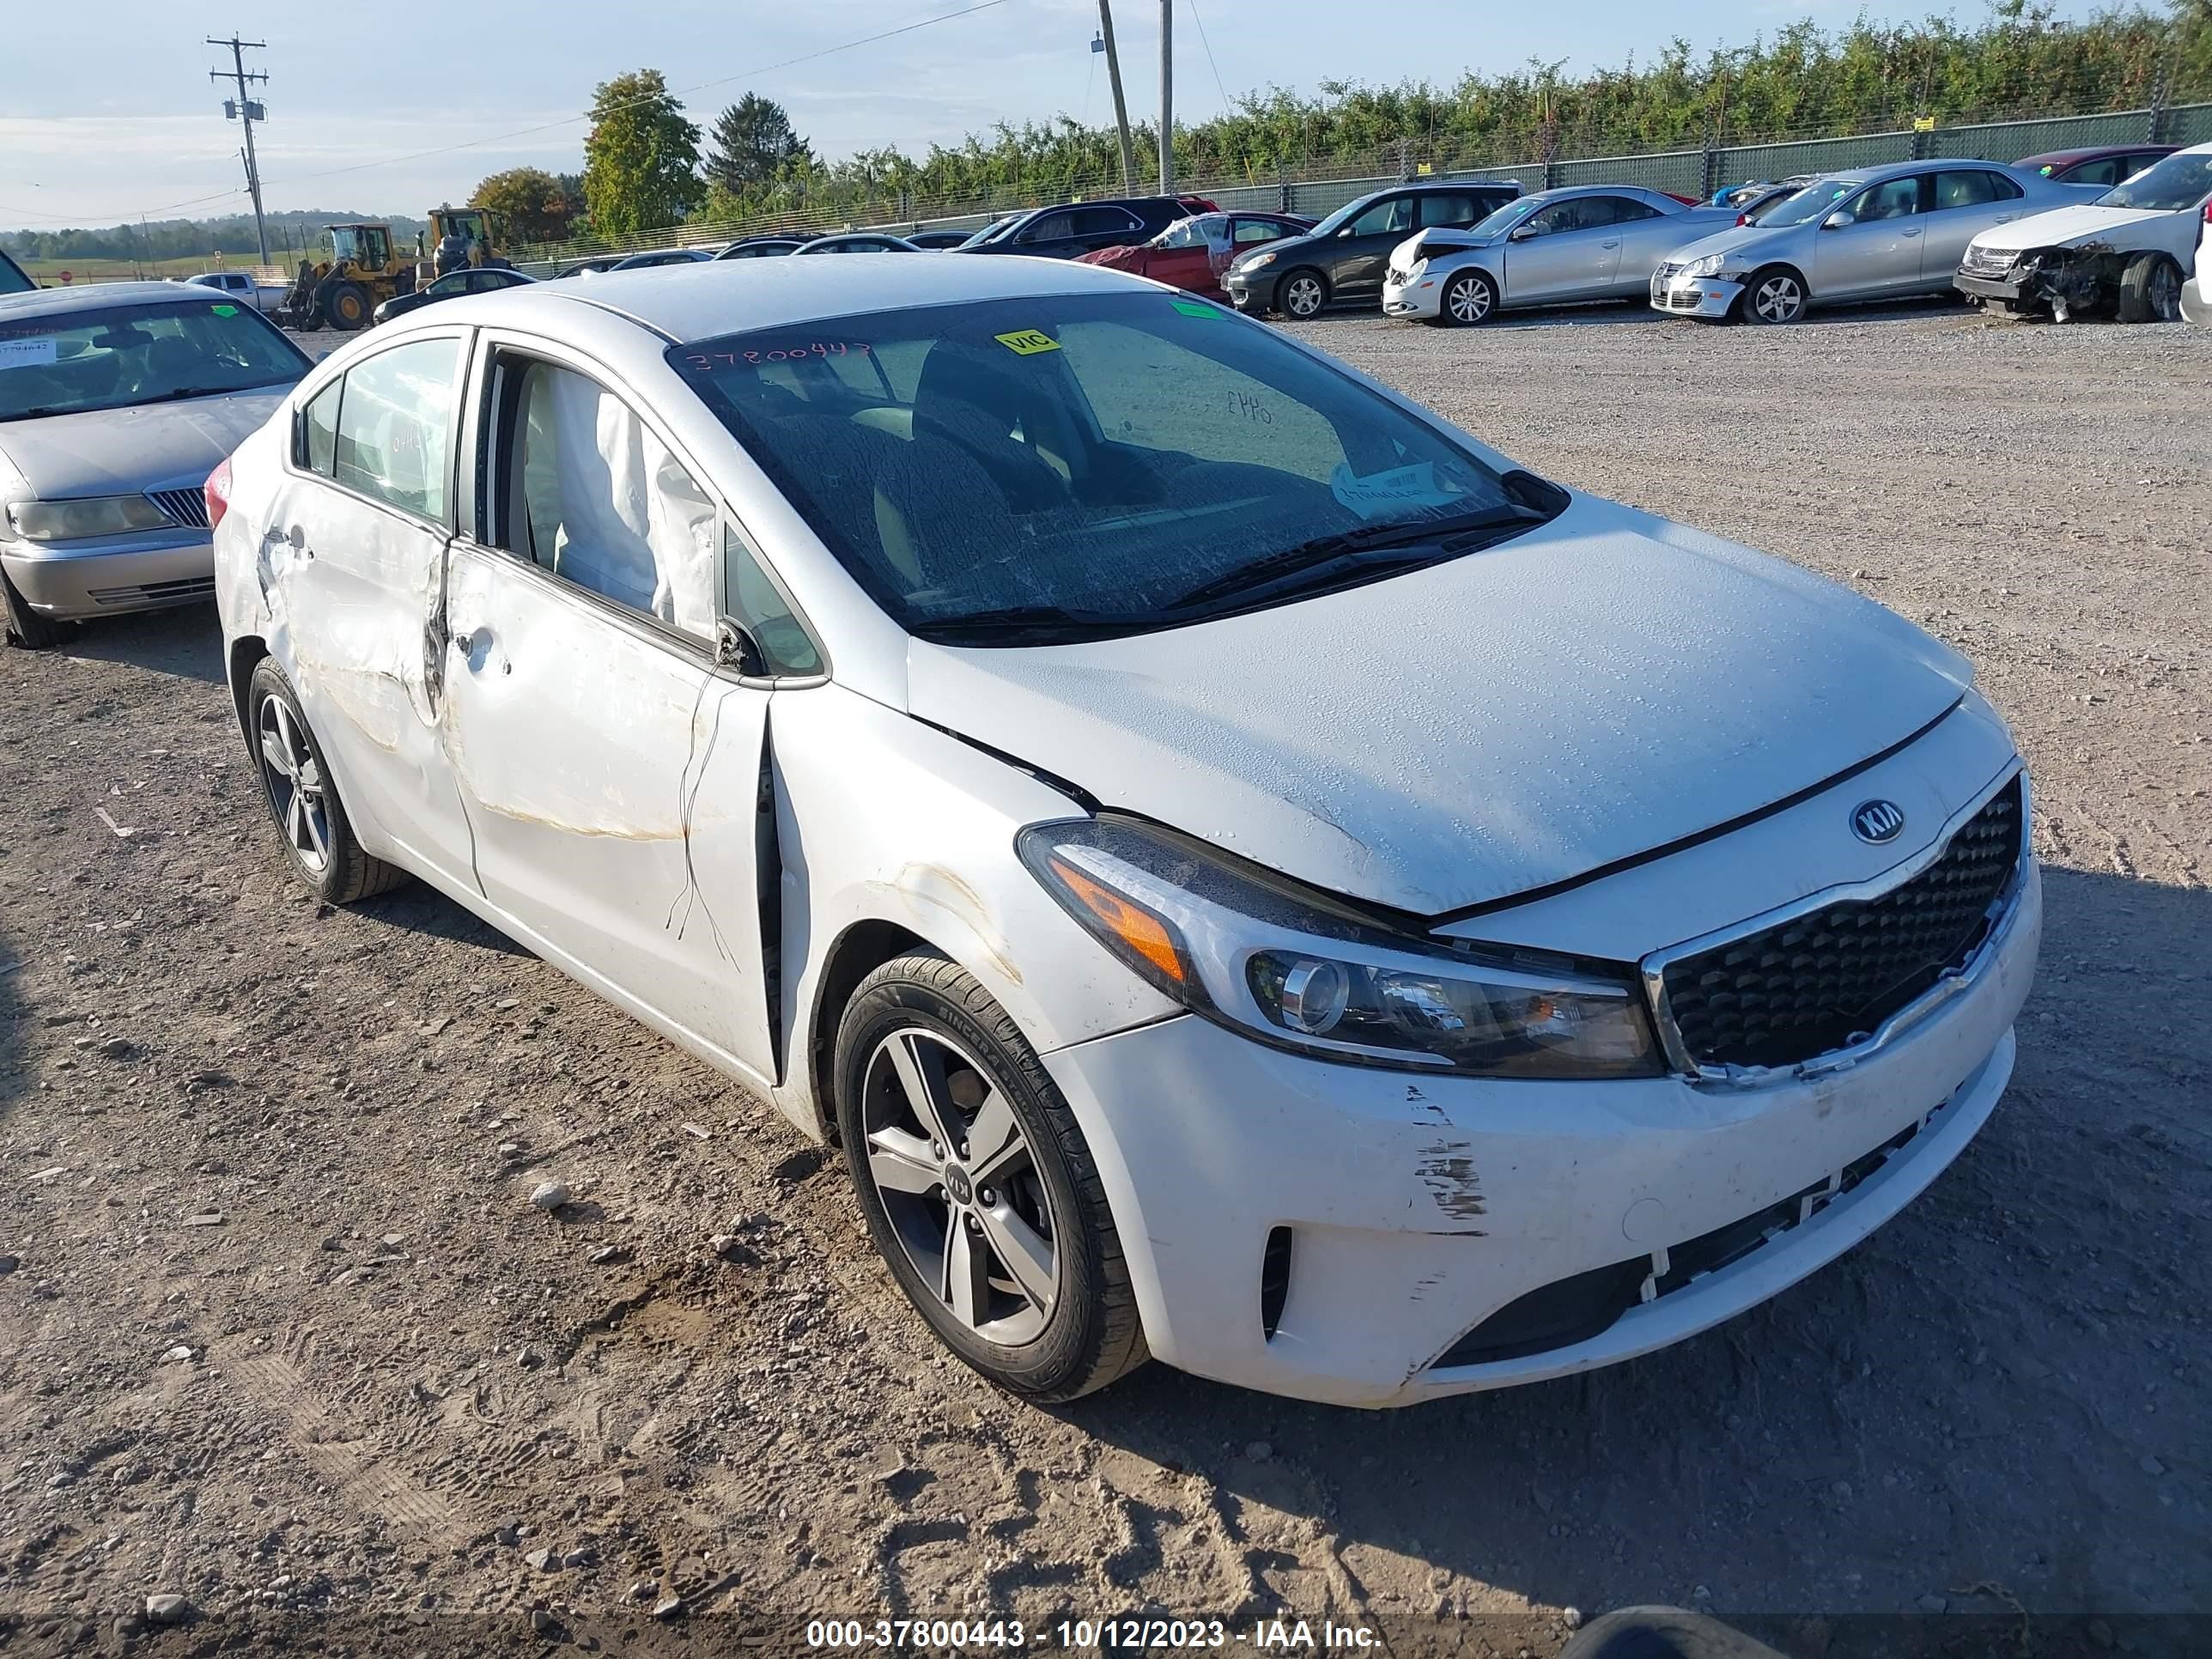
1469 300
1302 297
960 1185
293 779
1779 298
2165 292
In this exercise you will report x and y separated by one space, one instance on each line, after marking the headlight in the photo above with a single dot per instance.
1708 266
1253 261
100 515
1248 949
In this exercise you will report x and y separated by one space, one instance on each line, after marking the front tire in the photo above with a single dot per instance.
1303 294
1468 301
26 627
1773 298
346 307
977 1186
2150 290
295 781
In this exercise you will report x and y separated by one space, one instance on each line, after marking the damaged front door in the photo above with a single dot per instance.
613 774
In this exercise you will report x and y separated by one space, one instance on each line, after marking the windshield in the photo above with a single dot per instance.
1815 202
991 231
1498 223
1034 470
76 361
2172 185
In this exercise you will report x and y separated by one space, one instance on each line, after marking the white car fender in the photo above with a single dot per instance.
881 817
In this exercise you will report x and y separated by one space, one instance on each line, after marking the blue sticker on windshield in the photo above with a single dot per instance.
1379 492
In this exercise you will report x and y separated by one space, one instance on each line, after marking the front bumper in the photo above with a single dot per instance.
1695 297
1419 293
1416 1206
1254 293
147 571
1989 287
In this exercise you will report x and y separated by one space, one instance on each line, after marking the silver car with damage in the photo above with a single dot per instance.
1885 233
116 402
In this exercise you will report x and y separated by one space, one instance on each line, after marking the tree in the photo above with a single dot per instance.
531 201
640 161
753 143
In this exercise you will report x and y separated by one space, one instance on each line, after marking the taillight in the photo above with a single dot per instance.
1741 219
2208 209
216 493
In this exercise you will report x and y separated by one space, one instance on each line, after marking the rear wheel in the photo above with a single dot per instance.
1773 297
26 627
346 307
318 839
977 1185
1468 301
2150 290
1303 294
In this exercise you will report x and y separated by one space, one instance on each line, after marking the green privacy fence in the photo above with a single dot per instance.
1323 188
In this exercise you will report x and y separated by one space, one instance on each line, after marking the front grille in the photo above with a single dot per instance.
1808 987
187 507
1667 269
184 592
1577 1309
1989 261
1400 278
1687 299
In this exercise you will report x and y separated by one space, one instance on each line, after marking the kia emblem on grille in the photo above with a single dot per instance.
1877 821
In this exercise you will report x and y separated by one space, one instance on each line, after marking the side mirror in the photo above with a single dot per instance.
1837 219
735 647
1523 233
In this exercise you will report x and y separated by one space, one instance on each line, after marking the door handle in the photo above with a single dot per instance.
1914 232
1615 242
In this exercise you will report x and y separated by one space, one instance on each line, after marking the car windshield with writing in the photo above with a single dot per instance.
1044 470
70 362
2173 186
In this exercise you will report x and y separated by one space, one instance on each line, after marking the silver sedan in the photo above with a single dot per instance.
1558 246
116 402
1881 233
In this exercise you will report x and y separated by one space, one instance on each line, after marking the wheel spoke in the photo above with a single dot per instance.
995 1140
900 1162
1027 1258
922 1075
967 1284
318 838
295 820
274 753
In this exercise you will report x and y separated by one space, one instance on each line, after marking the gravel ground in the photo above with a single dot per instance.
285 1338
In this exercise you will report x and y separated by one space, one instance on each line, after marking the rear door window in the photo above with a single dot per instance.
1960 187
1392 213
1104 221
1451 210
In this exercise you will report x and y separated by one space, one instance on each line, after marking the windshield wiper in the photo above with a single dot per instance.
1014 619
184 391
1321 558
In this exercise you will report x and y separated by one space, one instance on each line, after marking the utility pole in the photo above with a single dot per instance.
1167 97
1121 109
247 109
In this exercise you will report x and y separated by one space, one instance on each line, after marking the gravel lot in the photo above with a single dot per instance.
283 1336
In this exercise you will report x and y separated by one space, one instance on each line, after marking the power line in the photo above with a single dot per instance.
1216 68
550 126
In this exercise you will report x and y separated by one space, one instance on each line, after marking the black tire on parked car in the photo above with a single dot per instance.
2150 290
26 627
303 799
1468 301
1775 295
1303 294
345 306
977 1185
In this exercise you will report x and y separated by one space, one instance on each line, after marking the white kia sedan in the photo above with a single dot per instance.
1246 874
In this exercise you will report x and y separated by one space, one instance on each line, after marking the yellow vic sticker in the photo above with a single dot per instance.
1028 342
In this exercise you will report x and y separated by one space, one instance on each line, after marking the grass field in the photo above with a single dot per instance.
49 271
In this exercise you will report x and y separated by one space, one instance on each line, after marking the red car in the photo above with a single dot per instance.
1192 253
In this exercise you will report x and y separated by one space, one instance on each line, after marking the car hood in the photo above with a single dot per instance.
116 452
1281 247
1729 239
2125 228
1608 684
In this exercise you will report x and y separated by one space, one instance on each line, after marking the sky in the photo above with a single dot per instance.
98 137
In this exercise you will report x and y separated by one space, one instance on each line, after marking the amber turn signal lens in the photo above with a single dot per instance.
1137 928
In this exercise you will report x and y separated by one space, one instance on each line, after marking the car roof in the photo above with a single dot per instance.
1571 192
94 296
699 301
2067 158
